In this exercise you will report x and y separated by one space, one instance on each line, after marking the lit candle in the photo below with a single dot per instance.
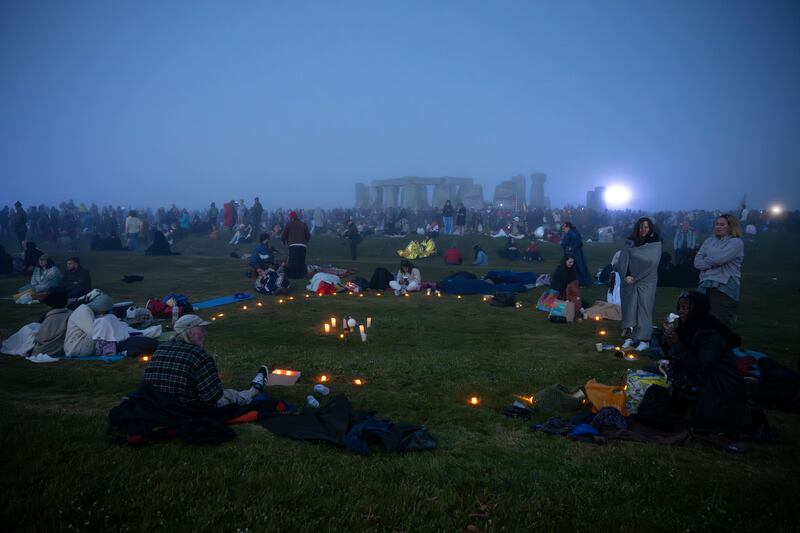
291 297
260 304
323 378
221 315
459 296
602 332
280 301
474 400
378 294
333 322
361 295
358 381
369 321
341 335
213 318
361 329
428 292
145 358
306 295
363 336
244 308
327 327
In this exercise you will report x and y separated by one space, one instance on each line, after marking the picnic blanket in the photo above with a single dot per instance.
222 300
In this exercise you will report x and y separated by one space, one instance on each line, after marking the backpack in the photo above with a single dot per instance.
380 279
504 299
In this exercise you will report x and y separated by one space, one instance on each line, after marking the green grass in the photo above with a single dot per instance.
424 358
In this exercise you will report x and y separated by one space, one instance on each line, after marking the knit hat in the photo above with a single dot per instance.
292 215
101 304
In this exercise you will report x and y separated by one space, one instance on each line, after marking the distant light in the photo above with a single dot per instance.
617 196
776 209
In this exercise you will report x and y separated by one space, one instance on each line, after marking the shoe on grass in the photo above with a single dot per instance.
642 346
260 381
628 343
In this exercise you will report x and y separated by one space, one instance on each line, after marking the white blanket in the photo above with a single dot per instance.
21 342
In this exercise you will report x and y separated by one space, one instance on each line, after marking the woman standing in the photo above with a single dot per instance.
461 218
719 261
638 268
447 217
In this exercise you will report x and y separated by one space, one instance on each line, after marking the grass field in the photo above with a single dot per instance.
424 358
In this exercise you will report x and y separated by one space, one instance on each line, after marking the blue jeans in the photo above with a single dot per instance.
133 241
448 225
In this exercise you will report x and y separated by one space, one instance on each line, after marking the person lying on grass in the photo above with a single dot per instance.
183 370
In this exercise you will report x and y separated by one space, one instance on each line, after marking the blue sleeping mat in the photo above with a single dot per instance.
222 300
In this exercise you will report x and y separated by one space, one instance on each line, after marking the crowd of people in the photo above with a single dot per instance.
707 315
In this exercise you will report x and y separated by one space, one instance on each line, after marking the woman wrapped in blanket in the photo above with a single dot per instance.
638 269
719 261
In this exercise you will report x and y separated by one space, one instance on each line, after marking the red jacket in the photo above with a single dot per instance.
452 256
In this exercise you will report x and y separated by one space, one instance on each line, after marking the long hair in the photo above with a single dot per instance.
406 265
735 229
700 318
636 237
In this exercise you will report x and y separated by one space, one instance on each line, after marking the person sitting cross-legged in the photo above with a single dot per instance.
408 278
182 369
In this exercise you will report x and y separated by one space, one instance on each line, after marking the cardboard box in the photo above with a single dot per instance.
282 378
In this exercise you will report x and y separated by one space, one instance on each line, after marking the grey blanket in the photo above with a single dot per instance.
638 298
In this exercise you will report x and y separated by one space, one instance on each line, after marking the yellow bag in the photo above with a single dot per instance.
605 396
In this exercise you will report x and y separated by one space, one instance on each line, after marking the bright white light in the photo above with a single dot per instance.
617 196
776 210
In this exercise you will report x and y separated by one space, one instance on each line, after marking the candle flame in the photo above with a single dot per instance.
280 301
244 308
145 358
260 304
323 378
221 315
358 381
474 400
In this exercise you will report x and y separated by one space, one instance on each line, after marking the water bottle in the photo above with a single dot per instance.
311 401
175 313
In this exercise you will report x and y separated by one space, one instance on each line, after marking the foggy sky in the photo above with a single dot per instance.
146 103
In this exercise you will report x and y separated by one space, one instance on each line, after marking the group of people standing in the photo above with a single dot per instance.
718 260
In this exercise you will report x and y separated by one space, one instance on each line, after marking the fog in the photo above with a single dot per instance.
146 103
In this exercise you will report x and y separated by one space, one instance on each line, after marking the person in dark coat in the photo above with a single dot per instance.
160 245
30 260
572 244
353 237
296 236
76 280
6 262
704 371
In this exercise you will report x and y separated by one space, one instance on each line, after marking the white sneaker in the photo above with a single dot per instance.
628 343
643 346
397 292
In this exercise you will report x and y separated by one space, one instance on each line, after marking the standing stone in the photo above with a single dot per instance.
442 193
375 197
519 181
389 196
471 196
362 196
538 199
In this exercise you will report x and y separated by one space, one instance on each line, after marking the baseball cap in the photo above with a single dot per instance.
188 321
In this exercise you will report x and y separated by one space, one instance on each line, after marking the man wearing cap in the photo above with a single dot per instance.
296 236
183 370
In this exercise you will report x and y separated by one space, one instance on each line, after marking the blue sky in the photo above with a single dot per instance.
692 103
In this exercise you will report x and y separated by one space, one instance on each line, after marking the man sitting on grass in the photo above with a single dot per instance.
183 370
76 280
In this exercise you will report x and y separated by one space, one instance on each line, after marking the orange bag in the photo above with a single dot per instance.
605 396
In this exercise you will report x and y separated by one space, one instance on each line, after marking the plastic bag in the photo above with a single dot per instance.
637 383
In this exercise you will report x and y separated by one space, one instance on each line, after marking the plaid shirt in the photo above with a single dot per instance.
184 371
